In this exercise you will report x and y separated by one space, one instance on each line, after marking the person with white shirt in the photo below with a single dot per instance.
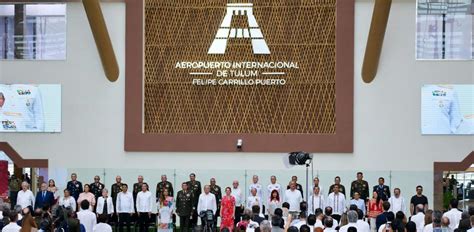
207 201
87 218
144 207
239 201
273 186
352 218
337 201
67 200
358 202
472 223
419 218
256 186
316 201
12 226
124 207
105 205
454 214
293 197
397 202
299 222
25 197
102 226
362 226
330 224
254 199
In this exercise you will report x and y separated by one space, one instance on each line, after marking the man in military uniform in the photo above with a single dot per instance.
74 186
137 187
164 184
382 190
361 186
337 181
14 186
184 207
96 187
195 188
116 189
216 190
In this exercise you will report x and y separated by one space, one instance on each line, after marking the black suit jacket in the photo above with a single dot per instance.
40 201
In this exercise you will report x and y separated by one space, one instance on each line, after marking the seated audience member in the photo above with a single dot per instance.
419 218
256 214
328 213
352 229
436 225
400 221
244 222
382 218
285 207
352 218
471 219
319 219
329 224
388 226
343 221
300 221
445 224
265 226
12 226
411 227
454 214
464 226
428 221
86 217
72 222
278 224
28 222
304 228
102 226
311 220
362 225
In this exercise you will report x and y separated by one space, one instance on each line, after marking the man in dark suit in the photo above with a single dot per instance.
382 190
44 197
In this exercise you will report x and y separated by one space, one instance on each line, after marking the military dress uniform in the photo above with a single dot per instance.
75 188
162 186
195 188
115 190
14 186
96 189
184 209
362 187
383 191
216 190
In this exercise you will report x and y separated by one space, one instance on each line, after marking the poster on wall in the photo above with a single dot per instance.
32 31
447 109
30 108
444 30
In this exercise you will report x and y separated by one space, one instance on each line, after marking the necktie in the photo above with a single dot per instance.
105 206
44 195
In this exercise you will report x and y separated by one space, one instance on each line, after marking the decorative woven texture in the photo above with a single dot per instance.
300 31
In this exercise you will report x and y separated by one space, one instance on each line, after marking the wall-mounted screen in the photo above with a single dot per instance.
444 30
32 31
30 108
447 109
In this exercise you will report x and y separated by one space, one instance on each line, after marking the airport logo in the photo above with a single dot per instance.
226 32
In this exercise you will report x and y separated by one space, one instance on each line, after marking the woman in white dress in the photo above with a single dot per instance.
165 212
67 200
273 203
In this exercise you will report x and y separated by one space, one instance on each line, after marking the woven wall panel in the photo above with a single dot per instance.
301 31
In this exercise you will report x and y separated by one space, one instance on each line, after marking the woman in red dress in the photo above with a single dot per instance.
374 209
227 210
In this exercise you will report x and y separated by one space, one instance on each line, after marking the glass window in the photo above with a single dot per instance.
444 30
33 31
